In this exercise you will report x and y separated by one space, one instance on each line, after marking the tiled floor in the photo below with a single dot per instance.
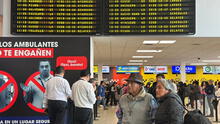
108 116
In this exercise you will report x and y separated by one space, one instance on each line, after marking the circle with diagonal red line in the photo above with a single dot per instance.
39 89
8 91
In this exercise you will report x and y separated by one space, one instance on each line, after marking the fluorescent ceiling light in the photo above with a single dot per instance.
135 60
135 64
210 60
140 57
199 64
167 41
149 51
151 42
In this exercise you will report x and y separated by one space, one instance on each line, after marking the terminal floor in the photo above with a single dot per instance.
108 116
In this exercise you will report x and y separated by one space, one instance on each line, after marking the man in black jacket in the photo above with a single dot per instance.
210 90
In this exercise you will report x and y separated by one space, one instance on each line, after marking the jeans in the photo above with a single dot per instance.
210 99
102 101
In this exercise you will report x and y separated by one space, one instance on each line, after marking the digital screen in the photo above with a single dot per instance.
105 69
127 69
56 17
96 17
149 17
188 69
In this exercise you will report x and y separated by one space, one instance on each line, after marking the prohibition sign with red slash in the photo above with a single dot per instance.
42 89
11 80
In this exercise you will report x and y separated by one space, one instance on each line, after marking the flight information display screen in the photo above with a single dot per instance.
56 17
150 17
108 17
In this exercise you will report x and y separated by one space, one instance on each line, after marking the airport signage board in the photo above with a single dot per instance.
211 69
95 69
208 69
155 69
105 69
161 69
127 69
109 17
188 69
149 69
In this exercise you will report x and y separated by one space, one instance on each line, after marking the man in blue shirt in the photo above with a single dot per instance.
101 95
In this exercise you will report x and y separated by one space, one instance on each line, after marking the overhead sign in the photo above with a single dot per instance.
188 69
149 69
217 69
161 69
127 69
95 69
108 17
105 69
211 69
56 17
155 69
150 17
208 69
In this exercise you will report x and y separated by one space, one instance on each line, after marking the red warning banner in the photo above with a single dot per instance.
72 62
26 52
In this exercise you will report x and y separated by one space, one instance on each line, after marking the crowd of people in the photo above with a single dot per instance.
161 102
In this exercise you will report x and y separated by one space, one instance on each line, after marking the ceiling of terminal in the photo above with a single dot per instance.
119 50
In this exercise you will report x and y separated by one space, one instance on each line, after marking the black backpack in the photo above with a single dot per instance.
194 117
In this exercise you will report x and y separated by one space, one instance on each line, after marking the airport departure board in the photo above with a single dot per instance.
103 17
56 17
150 17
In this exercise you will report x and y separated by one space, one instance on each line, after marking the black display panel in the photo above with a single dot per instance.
108 17
56 17
150 17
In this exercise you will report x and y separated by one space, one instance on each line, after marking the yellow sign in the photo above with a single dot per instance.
95 69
